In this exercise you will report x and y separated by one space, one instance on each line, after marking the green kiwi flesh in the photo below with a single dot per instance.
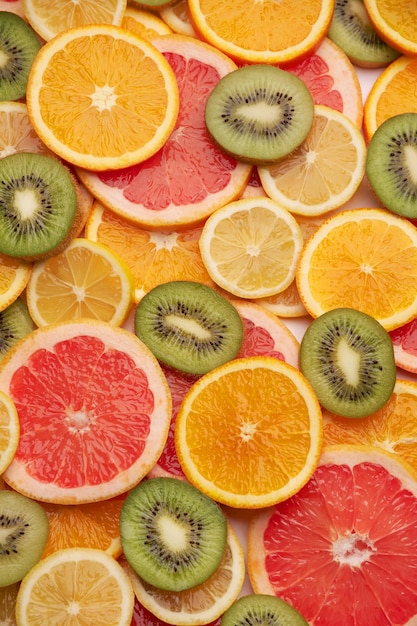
38 203
189 326
262 610
391 164
348 358
24 532
172 535
15 323
259 113
352 30
18 47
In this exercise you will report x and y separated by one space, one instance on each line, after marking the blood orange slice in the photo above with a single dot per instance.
94 410
404 340
343 549
189 177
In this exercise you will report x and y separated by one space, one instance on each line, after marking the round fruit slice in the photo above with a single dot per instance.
15 323
76 585
189 177
172 535
144 23
250 247
376 275
324 172
262 609
95 119
16 131
244 412
201 604
404 340
8 597
14 276
177 16
50 20
9 431
86 280
101 402
253 32
397 28
351 527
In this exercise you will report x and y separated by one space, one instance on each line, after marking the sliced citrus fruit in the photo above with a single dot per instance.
203 603
51 18
395 24
144 23
324 172
390 94
393 428
365 259
189 177
76 586
14 275
250 247
178 19
94 525
350 528
101 97
14 6
16 132
9 431
86 280
253 187
404 340
248 434
94 410
8 597
252 32
331 79
153 257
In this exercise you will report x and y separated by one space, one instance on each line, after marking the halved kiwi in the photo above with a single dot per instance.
259 113
15 323
24 532
262 610
38 204
18 47
189 326
348 358
391 164
172 535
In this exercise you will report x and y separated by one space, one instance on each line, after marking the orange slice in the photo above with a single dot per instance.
75 586
250 247
201 604
144 23
248 434
365 259
8 597
16 132
189 177
101 97
178 19
253 31
395 24
14 276
9 431
49 18
86 280
391 94
101 402
153 257
324 172
352 527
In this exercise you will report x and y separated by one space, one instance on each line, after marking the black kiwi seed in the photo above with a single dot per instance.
262 610
259 113
24 532
172 535
38 203
15 323
18 48
189 326
391 164
352 30
348 358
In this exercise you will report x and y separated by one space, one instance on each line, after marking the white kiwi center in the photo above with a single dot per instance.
410 154
268 113
26 203
189 326
173 534
349 362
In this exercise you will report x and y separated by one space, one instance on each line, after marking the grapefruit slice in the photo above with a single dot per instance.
189 177
343 549
94 410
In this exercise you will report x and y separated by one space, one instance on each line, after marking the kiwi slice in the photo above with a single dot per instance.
259 113
352 30
15 323
348 358
24 532
189 326
172 535
38 203
390 164
18 47
262 610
